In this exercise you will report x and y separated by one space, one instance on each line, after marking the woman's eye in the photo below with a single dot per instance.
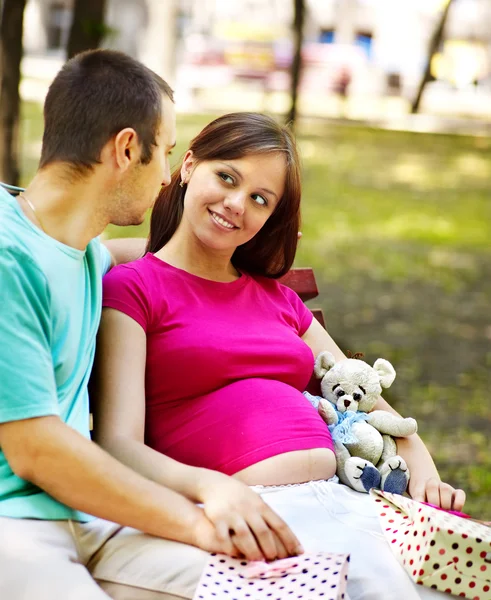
226 177
259 200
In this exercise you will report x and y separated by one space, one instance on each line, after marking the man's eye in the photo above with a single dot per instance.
226 177
259 200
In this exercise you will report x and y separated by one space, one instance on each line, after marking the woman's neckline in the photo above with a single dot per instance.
243 277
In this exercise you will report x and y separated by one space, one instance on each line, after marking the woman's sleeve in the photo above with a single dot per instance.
303 313
124 290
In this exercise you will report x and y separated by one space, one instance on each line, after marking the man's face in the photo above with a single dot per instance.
142 184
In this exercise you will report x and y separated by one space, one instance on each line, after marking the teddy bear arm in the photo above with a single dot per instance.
391 424
327 412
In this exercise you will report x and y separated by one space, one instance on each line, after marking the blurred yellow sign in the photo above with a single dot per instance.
461 62
234 30
248 56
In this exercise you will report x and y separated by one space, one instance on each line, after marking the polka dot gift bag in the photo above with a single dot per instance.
320 576
438 549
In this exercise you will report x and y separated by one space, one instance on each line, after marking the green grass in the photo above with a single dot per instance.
398 229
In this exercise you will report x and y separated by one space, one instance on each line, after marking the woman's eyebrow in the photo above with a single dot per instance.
239 175
236 171
268 192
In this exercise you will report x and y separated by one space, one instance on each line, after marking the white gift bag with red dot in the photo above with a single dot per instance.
310 576
440 550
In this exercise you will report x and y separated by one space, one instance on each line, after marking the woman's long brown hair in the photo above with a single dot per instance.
272 250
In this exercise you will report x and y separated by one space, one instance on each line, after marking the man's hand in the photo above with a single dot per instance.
244 523
436 492
205 537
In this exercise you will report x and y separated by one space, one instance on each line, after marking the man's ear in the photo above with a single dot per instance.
188 165
127 148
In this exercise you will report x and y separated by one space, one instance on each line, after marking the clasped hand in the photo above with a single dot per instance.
244 524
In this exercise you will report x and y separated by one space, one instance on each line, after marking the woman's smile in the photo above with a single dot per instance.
221 222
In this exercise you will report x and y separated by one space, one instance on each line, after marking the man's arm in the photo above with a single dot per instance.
125 250
42 449
75 471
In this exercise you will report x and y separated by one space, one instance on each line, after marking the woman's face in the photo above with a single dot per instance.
228 201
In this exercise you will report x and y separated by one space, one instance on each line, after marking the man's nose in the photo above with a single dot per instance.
166 178
166 175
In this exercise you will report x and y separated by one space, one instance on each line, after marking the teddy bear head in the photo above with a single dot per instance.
352 384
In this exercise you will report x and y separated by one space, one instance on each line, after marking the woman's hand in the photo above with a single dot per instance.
245 524
436 492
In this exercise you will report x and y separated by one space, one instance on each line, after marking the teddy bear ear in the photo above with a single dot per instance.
385 371
323 363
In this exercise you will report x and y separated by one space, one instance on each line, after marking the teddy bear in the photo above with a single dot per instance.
366 452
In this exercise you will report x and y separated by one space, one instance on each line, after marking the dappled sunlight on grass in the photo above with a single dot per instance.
411 170
417 226
473 167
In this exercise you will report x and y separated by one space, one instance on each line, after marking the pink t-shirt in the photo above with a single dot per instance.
226 366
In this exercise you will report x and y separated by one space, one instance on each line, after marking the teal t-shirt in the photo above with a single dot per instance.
50 307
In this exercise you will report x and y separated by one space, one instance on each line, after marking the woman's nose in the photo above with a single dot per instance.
235 202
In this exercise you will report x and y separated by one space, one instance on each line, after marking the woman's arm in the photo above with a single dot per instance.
119 423
118 404
425 483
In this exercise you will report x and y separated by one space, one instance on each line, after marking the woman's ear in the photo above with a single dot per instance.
188 164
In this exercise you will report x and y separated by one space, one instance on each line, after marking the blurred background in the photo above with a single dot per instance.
391 104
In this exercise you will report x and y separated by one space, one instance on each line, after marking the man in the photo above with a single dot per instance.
109 128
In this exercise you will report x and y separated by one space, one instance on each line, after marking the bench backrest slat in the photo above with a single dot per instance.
302 281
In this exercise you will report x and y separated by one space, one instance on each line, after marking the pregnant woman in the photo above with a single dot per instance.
203 357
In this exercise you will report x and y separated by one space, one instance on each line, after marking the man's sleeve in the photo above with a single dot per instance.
27 380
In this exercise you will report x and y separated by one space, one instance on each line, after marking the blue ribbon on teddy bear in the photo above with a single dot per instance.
342 432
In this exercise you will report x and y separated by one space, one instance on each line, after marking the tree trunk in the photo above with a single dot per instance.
88 28
11 30
296 68
433 47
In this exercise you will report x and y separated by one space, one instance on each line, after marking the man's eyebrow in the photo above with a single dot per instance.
239 174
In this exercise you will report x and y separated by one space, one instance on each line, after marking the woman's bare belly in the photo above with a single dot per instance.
291 467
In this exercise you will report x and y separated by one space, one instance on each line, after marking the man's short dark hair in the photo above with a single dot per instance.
95 95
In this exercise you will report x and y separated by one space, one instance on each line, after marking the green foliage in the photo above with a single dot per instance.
398 229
